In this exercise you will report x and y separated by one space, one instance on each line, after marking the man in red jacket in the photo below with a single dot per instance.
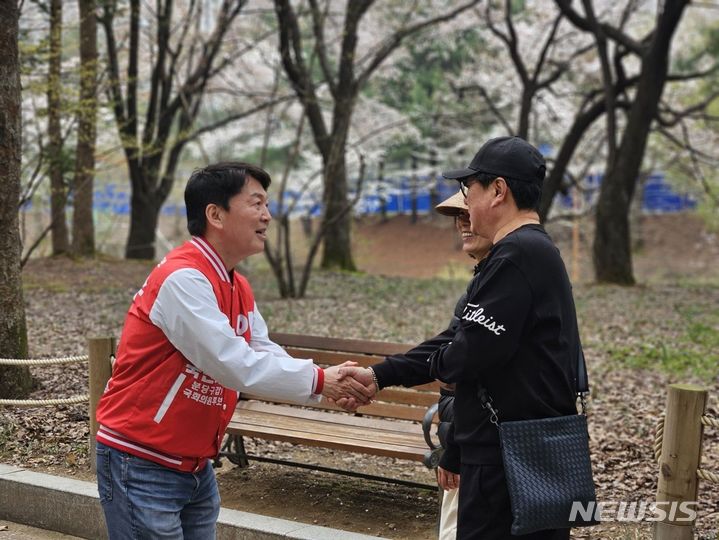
192 341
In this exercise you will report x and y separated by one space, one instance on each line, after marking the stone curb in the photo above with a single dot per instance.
72 507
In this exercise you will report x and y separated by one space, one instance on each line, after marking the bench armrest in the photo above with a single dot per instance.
427 425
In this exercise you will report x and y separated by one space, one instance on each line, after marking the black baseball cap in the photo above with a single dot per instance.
510 157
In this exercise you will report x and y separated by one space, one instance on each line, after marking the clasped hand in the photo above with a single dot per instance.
349 386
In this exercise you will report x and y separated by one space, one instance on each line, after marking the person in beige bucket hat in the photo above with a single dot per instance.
404 367
473 245
476 247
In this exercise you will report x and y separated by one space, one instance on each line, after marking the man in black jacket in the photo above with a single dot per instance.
517 335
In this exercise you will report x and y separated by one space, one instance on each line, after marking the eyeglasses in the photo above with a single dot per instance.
464 185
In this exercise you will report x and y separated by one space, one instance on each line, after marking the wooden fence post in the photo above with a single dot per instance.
679 459
99 352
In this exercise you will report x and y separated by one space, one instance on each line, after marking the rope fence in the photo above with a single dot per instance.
100 357
706 420
41 402
658 438
709 476
44 362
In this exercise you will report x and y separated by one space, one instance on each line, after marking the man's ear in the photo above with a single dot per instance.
213 215
500 189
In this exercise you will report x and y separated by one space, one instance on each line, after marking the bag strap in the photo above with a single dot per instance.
582 382
581 387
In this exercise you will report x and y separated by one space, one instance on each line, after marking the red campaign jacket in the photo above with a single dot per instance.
186 350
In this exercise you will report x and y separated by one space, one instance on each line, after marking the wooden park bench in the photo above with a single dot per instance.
396 424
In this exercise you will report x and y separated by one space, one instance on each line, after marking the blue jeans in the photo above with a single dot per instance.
144 500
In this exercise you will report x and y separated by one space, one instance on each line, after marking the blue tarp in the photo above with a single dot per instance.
659 197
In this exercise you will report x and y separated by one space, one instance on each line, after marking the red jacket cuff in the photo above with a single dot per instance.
319 381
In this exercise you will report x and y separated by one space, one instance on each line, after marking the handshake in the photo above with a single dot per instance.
349 386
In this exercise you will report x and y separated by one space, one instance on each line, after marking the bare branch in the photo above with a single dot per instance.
44 233
169 79
393 41
543 55
679 77
158 79
298 73
698 174
683 145
510 39
132 65
346 82
35 181
228 119
117 99
286 216
492 27
488 100
627 12
377 131
608 81
318 26
608 30
198 77
35 244
674 117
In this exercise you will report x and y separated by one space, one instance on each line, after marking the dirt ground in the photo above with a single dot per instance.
93 296
669 248
331 500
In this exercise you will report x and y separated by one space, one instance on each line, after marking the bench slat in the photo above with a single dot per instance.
329 416
381 348
313 428
242 426
414 454
378 409
407 397
334 358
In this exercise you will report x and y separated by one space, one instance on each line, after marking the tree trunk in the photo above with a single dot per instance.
612 250
83 228
144 217
413 191
14 382
382 192
635 212
337 220
337 251
58 190
525 110
612 242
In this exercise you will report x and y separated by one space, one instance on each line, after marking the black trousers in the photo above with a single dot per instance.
484 512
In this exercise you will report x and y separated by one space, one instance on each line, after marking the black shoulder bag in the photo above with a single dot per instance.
547 465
